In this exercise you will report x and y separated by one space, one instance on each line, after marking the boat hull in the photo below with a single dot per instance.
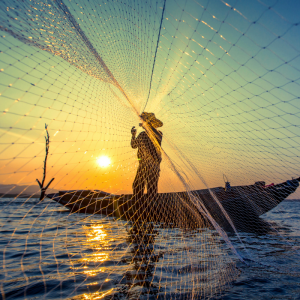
241 205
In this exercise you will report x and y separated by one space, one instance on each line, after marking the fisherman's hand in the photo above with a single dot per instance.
133 131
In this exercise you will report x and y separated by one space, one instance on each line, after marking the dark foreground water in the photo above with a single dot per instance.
48 253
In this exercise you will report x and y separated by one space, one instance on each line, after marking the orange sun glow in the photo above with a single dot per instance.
103 161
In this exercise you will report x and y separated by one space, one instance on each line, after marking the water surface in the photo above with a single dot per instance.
49 253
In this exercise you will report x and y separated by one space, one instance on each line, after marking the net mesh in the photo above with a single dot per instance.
223 79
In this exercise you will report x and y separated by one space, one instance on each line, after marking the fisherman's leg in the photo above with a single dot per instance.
152 183
138 187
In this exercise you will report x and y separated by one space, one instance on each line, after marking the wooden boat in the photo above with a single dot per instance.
241 205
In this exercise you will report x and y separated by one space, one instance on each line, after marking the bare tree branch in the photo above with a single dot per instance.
41 185
49 183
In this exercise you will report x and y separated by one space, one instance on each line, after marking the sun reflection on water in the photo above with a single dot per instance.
93 296
95 233
96 243
97 256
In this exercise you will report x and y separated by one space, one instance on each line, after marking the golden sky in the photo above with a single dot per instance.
225 84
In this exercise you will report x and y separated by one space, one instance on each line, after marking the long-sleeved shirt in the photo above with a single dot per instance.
147 152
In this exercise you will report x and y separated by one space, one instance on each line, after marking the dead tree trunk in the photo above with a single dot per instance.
41 184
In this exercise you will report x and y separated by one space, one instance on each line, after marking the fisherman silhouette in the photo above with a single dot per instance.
148 143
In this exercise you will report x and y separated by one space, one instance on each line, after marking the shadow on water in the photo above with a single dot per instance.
170 264
139 281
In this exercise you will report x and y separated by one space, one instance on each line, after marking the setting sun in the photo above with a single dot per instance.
103 161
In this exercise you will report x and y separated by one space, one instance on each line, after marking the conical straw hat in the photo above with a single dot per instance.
151 119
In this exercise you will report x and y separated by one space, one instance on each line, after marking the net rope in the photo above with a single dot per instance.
223 80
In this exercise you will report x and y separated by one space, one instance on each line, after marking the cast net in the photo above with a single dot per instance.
224 80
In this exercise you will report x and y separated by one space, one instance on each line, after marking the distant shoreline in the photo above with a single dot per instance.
3 195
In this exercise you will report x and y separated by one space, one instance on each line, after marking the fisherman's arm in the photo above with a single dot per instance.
134 140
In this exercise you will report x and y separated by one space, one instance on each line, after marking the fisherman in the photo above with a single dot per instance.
148 143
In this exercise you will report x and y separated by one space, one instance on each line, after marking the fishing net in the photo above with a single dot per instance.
223 80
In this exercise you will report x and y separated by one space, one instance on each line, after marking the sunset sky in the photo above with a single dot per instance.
225 84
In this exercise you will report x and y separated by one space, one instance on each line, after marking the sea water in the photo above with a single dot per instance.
46 252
